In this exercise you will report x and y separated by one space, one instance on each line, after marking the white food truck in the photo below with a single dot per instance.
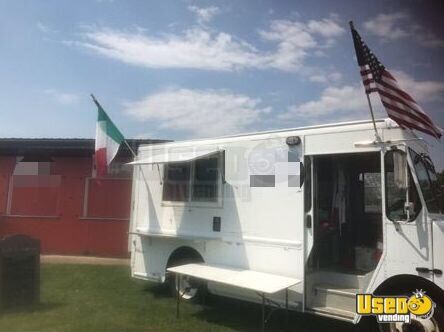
328 207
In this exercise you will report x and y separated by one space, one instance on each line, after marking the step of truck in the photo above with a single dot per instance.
332 296
333 313
352 280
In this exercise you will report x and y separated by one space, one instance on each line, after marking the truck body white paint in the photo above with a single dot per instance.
264 228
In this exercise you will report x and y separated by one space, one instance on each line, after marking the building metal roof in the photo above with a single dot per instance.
62 147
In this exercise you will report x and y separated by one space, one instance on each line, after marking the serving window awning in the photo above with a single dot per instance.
177 156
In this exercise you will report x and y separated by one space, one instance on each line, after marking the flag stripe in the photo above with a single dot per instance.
415 112
388 103
110 129
406 124
367 79
393 84
396 93
391 109
101 164
400 105
393 92
108 140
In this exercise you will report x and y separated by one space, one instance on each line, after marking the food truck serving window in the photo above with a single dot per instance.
198 180
176 186
428 181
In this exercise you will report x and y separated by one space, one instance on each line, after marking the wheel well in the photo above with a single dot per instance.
406 284
184 254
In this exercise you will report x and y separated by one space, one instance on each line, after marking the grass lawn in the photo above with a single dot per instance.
104 298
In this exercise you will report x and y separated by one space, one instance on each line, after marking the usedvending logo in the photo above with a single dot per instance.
389 309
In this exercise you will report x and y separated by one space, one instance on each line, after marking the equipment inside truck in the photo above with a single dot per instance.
347 213
347 231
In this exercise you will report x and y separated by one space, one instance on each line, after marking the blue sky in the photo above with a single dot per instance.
181 69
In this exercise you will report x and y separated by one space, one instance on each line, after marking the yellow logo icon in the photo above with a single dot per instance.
389 309
421 305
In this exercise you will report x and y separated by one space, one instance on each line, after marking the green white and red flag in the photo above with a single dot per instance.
108 140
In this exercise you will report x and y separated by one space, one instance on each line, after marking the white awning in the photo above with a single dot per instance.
177 156
248 279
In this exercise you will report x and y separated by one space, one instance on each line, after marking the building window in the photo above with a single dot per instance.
34 189
109 197
197 181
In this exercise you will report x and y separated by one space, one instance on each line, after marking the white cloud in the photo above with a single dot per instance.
386 25
202 48
199 113
295 40
64 98
349 101
44 28
197 49
327 27
425 37
206 14
421 91
326 77
335 103
399 25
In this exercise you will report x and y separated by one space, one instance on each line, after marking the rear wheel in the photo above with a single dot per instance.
190 289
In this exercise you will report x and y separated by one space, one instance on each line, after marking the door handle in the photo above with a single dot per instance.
437 272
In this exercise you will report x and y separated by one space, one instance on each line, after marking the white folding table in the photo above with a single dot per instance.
262 283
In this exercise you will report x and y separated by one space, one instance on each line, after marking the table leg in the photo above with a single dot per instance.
286 309
263 312
177 294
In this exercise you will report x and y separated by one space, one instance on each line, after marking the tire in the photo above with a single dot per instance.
434 324
191 289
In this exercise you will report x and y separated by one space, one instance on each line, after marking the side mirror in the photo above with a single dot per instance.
400 170
409 209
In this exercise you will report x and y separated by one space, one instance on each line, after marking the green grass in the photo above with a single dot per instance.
104 298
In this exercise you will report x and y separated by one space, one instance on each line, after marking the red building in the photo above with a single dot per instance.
48 191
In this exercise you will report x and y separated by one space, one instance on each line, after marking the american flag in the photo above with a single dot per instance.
400 106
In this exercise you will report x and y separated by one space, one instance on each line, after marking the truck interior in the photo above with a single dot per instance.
348 212
347 221
347 230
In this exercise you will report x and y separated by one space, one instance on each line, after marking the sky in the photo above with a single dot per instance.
185 69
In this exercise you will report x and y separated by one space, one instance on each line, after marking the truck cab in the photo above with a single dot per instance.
375 226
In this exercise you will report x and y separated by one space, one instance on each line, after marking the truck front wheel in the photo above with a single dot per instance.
433 324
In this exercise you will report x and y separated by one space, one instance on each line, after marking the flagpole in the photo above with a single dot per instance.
124 139
378 138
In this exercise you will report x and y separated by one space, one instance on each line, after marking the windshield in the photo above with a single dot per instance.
428 181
